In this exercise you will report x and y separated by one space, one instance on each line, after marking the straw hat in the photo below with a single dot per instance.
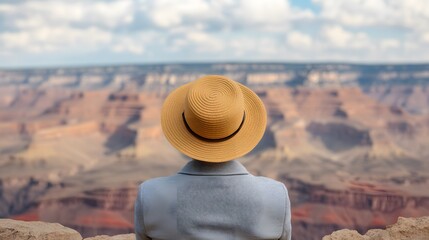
213 119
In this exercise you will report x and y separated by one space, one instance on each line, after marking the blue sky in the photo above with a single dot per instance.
95 32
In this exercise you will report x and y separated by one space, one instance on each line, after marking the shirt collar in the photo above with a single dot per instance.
196 167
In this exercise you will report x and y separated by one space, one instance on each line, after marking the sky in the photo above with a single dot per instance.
39 33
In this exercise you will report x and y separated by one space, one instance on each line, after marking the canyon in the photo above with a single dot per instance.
351 142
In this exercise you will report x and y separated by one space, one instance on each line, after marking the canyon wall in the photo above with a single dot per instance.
349 141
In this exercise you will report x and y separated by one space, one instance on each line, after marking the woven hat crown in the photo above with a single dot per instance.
214 107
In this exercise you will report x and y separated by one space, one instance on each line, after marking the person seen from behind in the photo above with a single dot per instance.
213 120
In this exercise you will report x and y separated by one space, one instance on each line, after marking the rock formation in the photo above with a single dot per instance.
405 228
17 230
23 230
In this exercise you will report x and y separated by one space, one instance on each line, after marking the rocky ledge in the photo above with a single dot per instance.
405 228
21 230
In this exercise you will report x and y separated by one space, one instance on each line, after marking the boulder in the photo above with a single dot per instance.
404 228
21 230
410 228
345 234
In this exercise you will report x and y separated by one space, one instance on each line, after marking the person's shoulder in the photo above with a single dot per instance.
271 183
157 182
272 193
268 180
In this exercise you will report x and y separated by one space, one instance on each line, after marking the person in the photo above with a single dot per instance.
213 120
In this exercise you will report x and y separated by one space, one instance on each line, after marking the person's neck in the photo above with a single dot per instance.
197 167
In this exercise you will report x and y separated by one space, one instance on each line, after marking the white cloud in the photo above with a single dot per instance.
425 37
411 14
33 14
205 42
48 39
353 12
262 47
338 37
134 44
389 43
229 29
261 13
299 40
271 15
168 14
197 41
37 26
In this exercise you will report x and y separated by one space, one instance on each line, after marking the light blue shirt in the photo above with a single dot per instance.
212 201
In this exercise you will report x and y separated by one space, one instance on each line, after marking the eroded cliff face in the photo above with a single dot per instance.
94 212
320 211
83 168
413 98
20 194
348 161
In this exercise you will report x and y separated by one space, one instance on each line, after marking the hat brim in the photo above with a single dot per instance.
239 144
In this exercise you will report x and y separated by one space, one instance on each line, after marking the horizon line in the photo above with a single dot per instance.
93 65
